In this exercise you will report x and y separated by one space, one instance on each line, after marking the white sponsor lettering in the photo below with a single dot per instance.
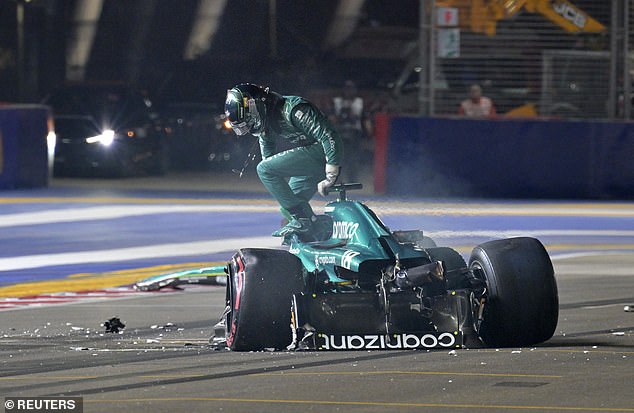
450 337
379 342
341 346
346 260
396 342
331 140
355 342
344 229
371 340
411 341
325 260
568 12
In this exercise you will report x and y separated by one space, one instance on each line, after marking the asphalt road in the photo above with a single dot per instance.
161 361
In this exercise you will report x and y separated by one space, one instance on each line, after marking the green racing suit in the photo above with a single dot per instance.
291 176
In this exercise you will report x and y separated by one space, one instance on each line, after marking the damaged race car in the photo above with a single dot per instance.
355 284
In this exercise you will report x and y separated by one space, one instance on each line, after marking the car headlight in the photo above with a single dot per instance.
106 138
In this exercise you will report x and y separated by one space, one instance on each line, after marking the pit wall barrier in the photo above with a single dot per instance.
449 157
25 158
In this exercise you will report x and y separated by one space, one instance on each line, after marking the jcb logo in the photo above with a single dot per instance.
570 13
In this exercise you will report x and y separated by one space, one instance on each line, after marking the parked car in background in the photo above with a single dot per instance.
106 129
199 138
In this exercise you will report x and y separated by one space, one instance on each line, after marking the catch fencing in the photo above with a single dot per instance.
547 58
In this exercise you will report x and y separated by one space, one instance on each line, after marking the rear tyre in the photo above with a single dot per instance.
260 288
522 305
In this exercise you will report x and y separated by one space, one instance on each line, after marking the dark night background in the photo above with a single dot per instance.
240 51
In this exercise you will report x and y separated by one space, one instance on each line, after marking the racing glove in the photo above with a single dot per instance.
332 173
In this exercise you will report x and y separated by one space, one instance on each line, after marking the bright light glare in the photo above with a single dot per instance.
106 138
51 142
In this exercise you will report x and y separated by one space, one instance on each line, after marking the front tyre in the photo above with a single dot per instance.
522 305
260 287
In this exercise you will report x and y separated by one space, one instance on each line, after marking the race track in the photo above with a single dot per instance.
69 255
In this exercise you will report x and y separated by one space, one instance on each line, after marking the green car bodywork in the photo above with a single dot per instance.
359 243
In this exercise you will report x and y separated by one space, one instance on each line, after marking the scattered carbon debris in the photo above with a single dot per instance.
114 325
167 327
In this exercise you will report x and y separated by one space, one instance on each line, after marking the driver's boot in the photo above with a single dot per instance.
301 222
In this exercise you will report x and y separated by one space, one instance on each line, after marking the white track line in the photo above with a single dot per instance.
532 233
136 253
112 212
121 211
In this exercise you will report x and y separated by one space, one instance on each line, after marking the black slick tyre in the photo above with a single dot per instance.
260 287
522 305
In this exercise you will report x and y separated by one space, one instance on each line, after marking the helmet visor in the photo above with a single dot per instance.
235 106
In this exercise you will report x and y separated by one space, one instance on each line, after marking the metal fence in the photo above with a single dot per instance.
550 58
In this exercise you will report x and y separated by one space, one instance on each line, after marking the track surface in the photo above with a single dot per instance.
91 243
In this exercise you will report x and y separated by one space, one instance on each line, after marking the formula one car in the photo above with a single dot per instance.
357 285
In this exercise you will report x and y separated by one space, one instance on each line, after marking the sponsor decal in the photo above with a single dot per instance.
325 260
332 142
346 260
344 229
294 250
570 13
329 209
384 342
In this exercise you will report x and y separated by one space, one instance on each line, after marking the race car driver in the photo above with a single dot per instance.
291 176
